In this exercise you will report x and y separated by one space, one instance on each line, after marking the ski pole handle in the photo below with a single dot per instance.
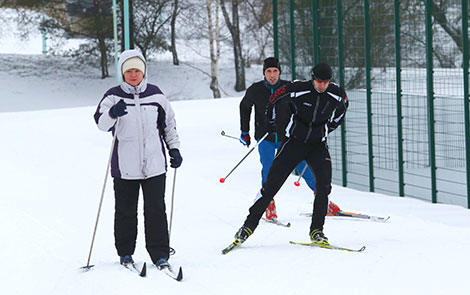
222 180
297 183
229 136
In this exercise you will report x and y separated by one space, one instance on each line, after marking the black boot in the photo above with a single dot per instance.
126 259
242 234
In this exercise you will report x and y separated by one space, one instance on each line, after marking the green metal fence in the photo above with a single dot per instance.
404 65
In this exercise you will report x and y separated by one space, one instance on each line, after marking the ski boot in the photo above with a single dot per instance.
271 211
317 237
126 259
333 208
242 234
162 263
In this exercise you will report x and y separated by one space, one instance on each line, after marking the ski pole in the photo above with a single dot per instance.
88 266
229 136
297 183
172 203
222 180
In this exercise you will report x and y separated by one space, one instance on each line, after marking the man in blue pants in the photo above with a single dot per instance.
257 95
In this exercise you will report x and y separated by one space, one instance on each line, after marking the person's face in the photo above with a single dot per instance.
133 77
272 75
320 85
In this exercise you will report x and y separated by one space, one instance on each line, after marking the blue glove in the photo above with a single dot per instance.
118 110
175 158
245 138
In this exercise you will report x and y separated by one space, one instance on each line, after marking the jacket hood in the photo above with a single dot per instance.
125 55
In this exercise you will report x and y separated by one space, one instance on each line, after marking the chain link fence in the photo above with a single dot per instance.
404 65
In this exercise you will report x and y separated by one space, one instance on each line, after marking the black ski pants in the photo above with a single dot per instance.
126 194
289 156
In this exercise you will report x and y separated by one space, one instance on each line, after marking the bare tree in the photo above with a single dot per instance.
214 44
150 20
257 30
448 22
92 19
102 31
173 34
234 28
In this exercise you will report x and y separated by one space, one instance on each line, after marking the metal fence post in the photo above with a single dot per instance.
466 93
126 25
401 181
344 159
369 95
430 99
316 32
115 33
275 30
292 38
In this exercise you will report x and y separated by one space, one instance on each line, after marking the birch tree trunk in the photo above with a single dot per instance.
214 45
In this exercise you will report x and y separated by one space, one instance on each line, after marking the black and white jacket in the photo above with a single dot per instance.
315 114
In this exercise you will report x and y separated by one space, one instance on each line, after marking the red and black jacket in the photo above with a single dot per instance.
258 95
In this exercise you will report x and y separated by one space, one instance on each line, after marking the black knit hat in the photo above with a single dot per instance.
322 71
271 62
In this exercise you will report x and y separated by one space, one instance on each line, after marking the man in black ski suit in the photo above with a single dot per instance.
319 107
258 95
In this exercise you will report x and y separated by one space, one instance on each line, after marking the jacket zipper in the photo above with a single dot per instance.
274 115
314 117
140 134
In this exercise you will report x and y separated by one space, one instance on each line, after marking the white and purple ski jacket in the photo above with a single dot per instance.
139 151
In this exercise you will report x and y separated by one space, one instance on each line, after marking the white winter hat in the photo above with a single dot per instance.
133 63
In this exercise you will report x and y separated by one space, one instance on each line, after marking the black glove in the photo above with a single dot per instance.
175 158
271 126
118 110
245 138
332 126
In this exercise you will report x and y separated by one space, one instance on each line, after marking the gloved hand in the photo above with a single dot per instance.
118 110
175 158
332 126
271 126
245 138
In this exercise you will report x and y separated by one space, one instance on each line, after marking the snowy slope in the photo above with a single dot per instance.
53 167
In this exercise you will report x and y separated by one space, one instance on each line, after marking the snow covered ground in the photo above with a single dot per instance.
53 161
53 164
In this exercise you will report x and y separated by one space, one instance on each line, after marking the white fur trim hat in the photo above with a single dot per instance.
133 63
